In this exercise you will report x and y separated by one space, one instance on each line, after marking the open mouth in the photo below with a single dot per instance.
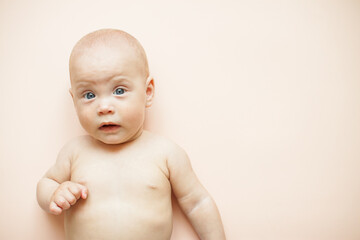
109 127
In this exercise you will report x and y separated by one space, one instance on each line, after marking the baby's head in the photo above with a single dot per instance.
110 85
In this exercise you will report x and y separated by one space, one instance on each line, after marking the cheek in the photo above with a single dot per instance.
84 117
134 115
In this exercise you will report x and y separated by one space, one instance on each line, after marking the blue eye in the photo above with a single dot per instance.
89 95
119 91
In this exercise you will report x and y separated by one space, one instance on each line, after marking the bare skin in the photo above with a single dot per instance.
116 183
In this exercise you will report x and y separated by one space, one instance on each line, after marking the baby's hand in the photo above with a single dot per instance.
66 195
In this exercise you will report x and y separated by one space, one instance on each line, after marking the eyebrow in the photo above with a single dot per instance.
85 83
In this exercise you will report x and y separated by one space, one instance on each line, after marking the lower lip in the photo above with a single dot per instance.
109 128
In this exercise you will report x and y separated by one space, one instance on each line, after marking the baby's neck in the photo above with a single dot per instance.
137 136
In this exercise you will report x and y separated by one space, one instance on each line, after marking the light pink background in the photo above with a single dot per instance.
263 95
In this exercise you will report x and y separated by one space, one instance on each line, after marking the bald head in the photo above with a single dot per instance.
109 38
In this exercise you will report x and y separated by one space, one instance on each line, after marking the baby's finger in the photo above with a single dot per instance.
84 191
61 202
75 190
69 197
55 209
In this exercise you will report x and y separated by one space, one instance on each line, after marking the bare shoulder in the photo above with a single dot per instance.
174 154
61 170
166 145
73 146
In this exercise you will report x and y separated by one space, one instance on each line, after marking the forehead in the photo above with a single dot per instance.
96 63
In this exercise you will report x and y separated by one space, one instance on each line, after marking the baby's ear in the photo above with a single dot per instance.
150 90
72 96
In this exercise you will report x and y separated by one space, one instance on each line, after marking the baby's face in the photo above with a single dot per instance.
110 93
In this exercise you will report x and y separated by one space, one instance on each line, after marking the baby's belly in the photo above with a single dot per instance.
115 218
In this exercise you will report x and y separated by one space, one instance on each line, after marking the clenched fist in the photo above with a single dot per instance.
66 195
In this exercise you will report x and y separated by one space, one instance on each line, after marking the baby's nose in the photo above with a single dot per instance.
105 109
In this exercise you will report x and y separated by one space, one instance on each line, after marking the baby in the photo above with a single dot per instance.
116 182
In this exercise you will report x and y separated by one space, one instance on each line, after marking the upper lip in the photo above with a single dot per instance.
108 123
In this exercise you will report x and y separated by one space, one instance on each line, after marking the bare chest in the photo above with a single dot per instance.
122 176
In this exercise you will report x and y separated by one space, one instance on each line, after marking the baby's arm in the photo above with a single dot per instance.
193 198
55 192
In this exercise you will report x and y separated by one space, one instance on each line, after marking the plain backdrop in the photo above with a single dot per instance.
263 95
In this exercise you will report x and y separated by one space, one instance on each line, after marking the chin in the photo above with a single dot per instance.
117 138
111 141
108 139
